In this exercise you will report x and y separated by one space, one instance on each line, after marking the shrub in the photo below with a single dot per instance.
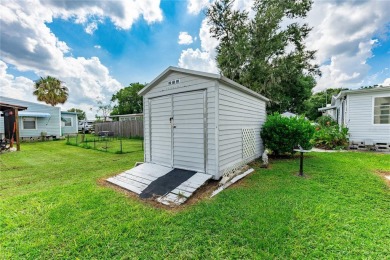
329 135
324 121
282 134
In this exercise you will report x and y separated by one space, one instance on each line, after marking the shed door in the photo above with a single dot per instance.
189 130
161 130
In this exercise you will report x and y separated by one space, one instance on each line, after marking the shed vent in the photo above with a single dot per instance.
172 82
248 142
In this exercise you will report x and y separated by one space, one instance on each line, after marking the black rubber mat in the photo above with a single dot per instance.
166 183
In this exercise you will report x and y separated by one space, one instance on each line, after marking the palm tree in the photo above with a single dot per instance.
51 91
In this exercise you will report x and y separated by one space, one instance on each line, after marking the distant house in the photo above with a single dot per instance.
40 119
366 113
128 117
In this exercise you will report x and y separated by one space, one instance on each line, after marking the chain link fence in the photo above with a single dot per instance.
110 144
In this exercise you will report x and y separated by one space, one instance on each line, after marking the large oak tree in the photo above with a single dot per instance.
266 53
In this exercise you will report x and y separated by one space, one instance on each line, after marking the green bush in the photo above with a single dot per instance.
282 134
325 121
329 135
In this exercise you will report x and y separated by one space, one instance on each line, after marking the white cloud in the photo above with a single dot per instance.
386 82
343 34
185 38
195 6
97 46
29 45
15 87
91 28
201 59
122 13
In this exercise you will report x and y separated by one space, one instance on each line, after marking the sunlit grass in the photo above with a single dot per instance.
51 206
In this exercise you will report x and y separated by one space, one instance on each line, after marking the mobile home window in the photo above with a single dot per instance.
382 110
68 121
29 123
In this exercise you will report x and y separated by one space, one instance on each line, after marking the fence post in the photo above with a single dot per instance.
68 139
121 144
106 144
94 144
77 137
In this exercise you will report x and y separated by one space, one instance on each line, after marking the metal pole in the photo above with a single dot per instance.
301 165
121 144
17 129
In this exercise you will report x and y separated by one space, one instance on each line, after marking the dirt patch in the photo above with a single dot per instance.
202 194
385 175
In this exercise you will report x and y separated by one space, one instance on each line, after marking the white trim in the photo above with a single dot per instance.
216 108
218 77
373 109
36 123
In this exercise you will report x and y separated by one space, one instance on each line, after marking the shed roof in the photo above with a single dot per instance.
218 77
5 106
363 90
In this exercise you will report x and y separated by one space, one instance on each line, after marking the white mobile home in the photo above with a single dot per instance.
201 122
366 113
40 119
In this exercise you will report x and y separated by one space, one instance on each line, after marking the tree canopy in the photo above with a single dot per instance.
128 100
80 113
51 91
105 109
264 55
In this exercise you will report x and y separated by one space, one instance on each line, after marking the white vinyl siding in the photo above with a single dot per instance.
237 110
382 110
29 123
187 83
360 110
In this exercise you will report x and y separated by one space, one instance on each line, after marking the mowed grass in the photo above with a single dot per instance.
106 144
52 206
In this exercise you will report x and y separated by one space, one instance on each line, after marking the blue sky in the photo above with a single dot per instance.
98 47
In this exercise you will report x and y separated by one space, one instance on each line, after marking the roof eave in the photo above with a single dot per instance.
149 86
219 77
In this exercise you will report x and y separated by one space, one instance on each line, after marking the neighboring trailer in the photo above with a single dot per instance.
69 123
202 122
368 116
36 120
366 113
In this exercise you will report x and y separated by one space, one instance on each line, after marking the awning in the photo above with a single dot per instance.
34 114
326 108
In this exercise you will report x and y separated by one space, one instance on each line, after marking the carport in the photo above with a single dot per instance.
10 113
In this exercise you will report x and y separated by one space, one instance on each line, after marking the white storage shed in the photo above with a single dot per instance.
202 122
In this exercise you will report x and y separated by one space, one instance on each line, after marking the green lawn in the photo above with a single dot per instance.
51 206
105 144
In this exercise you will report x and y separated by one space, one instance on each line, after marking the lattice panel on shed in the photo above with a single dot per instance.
248 142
